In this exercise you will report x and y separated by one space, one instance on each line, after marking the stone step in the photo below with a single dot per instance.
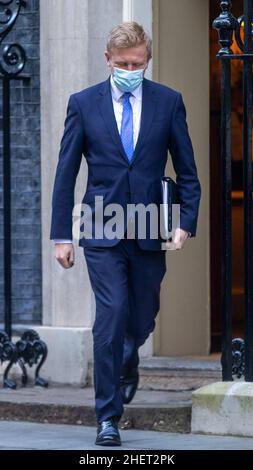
206 366
162 402
150 410
178 373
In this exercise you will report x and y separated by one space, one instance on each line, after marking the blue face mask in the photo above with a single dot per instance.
127 80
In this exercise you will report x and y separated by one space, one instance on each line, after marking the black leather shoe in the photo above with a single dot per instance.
128 384
108 434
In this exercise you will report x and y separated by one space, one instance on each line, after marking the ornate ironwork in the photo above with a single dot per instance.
238 358
226 24
30 349
8 352
13 56
230 29
238 33
237 355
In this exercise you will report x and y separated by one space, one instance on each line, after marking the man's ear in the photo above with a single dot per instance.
107 57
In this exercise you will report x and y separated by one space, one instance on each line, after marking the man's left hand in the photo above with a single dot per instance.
178 240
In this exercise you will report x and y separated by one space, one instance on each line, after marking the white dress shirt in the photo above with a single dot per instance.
136 103
117 100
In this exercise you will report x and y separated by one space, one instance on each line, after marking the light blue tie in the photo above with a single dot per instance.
126 132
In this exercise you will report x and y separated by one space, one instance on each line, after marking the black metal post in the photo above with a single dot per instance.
225 24
30 349
237 355
7 206
226 242
247 181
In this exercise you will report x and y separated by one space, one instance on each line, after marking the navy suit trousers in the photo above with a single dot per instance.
126 282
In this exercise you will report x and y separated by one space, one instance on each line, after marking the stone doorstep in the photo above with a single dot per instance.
160 411
177 384
192 365
175 373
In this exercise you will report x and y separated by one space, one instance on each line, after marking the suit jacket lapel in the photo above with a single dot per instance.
106 108
147 115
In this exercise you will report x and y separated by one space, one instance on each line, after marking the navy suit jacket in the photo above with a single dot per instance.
91 131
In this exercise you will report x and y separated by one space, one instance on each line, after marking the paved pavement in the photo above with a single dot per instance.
37 436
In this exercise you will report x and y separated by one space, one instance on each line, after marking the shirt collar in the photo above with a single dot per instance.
117 93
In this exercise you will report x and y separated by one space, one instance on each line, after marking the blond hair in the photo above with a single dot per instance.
128 34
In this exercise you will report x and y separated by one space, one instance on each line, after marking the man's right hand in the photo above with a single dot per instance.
65 254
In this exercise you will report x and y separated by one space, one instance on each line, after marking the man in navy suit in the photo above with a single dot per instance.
124 128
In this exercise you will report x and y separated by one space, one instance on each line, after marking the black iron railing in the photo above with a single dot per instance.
237 354
30 349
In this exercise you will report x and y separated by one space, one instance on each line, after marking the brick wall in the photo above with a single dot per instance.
25 167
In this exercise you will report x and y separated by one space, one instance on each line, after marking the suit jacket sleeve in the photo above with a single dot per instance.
71 149
181 150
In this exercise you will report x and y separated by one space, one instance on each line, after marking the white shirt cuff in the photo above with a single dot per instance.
62 241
